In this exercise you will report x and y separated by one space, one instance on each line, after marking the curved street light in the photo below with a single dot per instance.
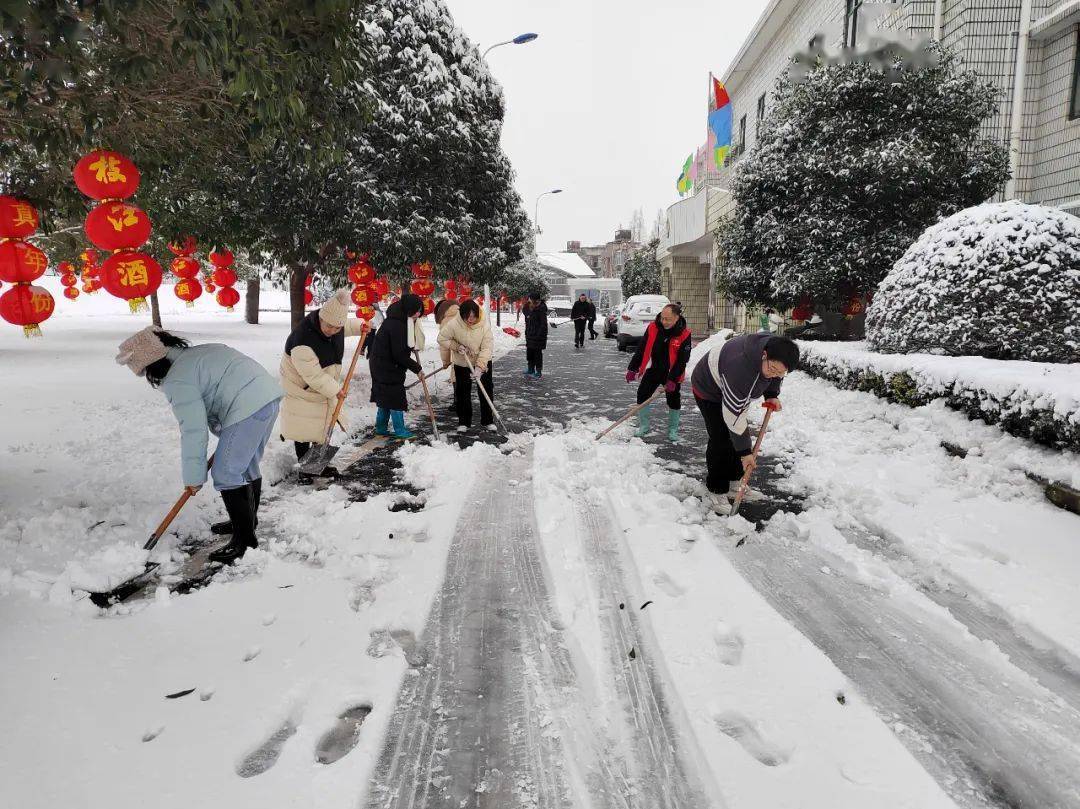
520 39
536 215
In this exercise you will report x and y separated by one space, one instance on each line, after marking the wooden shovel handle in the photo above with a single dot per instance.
757 447
345 386
427 399
163 526
629 413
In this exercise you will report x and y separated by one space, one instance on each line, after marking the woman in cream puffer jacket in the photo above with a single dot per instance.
465 339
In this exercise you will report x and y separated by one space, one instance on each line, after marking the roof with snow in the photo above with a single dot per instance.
569 264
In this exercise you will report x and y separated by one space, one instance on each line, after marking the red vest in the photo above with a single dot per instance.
673 347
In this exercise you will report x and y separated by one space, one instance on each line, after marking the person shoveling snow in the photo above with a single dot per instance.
213 389
724 382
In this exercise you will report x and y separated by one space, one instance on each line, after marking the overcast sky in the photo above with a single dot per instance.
607 103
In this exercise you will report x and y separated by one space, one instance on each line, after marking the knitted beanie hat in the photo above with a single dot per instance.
141 349
336 310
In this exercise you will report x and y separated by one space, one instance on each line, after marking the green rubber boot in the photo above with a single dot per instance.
642 423
673 418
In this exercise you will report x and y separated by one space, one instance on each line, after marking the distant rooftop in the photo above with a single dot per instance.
570 265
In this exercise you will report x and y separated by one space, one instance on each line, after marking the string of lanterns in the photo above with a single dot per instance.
224 277
118 226
186 268
21 263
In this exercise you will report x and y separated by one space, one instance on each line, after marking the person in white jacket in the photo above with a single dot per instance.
465 340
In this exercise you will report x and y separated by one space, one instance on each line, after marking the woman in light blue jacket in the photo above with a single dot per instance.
213 389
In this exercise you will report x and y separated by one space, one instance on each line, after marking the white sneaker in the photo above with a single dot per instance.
750 496
720 504
491 428
462 429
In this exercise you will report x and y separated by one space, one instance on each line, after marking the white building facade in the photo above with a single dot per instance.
1028 49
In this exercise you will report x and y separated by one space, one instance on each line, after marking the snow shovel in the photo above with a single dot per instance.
317 458
629 413
130 586
484 393
744 483
427 401
427 376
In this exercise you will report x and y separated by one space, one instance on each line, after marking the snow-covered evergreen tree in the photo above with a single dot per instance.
641 273
849 168
997 280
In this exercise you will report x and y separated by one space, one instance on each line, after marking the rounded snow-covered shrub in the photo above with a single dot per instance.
999 280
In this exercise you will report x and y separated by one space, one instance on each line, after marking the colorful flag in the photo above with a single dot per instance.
684 183
720 117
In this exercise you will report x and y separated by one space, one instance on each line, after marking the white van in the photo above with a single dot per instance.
638 312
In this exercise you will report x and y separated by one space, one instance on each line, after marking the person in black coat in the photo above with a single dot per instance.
661 359
579 313
536 334
391 356
592 320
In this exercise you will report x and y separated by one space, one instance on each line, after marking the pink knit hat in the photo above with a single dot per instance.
141 349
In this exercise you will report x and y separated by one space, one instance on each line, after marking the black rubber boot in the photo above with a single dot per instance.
256 499
238 504
225 526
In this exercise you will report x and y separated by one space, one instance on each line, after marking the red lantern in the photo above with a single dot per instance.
210 286
131 276
21 262
28 306
422 287
450 287
227 297
852 308
87 288
188 290
117 226
363 296
224 277
450 296
186 249
308 297
429 306
223 258
106 175
65 267
309 280
68 279
71 293
185 267
423 270
803 311
365 312
381 287
18 218
362 274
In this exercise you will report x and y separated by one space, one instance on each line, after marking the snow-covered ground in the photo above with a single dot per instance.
957 568
91 464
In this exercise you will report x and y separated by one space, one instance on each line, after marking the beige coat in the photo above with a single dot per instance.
311 390
477 338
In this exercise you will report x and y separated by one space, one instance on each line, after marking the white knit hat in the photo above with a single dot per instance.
336 310
141 349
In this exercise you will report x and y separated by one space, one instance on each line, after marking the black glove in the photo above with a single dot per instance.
415 367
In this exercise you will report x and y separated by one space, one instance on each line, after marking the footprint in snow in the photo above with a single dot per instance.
269 619
339 741
265 756
729 644
668 584
153 733
381 643
206 694
252 653
362 595
746 733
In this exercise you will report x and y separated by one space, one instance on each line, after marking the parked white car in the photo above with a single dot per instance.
638 312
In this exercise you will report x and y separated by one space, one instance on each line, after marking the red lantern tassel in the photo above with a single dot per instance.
31 330
137 305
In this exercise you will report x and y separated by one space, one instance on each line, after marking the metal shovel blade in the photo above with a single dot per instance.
316 459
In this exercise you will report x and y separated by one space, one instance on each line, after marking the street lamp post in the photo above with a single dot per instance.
520 39
536 214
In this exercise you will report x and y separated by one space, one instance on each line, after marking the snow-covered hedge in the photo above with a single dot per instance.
999 280
1037 401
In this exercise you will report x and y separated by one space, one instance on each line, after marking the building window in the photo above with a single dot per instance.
760 111
742 134
851 22
1074 103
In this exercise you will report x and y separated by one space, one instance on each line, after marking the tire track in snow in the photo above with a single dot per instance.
492 716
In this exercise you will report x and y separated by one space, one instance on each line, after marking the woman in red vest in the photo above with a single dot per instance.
661 359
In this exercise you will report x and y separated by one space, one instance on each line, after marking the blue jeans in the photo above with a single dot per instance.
240 448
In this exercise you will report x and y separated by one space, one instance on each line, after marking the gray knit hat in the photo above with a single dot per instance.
141 349
336 310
